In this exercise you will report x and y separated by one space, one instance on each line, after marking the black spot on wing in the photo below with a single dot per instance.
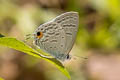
65 18
54 40
69 33
69 25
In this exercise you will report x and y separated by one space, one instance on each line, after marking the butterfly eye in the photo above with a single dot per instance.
39 34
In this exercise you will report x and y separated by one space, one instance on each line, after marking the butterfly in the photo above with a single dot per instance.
57 36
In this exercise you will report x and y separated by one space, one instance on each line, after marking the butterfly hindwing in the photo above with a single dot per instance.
53 40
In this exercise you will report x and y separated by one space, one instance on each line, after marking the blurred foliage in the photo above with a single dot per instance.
1 79
32 16
99 29
1 35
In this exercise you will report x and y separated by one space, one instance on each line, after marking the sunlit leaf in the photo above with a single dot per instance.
20 46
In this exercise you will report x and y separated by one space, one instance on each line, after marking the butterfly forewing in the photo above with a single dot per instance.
69 22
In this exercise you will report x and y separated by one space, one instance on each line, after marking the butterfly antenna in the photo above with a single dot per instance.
83 57
75 57
27 37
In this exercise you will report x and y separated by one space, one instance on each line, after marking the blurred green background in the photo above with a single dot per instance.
98 39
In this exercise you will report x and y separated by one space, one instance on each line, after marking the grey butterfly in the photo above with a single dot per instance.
57 36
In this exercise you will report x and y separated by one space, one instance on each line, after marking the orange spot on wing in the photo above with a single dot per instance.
40 35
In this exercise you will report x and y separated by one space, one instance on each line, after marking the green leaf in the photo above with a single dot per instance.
20 46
